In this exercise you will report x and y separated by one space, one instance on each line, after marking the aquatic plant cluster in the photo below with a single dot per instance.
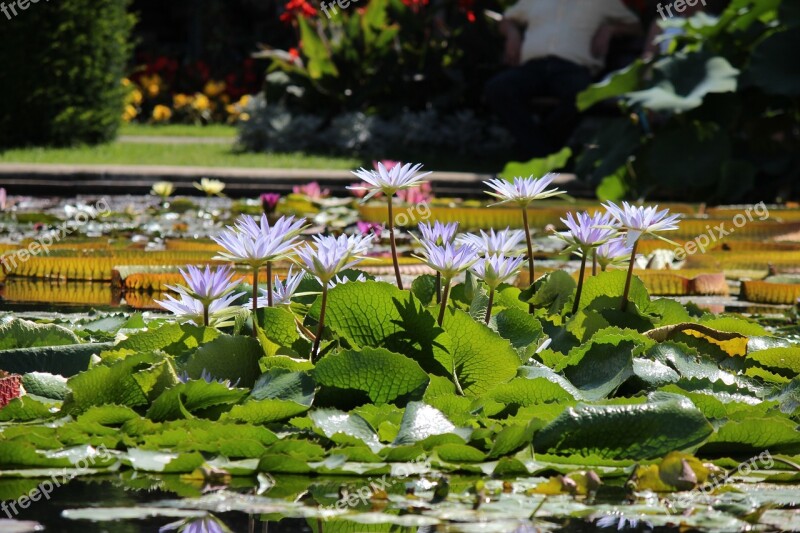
588 384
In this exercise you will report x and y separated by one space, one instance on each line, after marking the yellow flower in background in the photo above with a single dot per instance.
162 113
214 88
136 97
181 100
151 84
129 113
162 189
232 110
201 102
244 117
210 186
243 101
225 99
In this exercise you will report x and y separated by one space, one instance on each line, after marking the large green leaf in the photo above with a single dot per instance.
753 435
536 167
421 421
521 329
278 333
664 423
481 357
599 368
132 382
332 421
530 391
20 333
283 384
771 65
171 338
264 411
616 84
46 385
382 375
233 358
550 292
320 61
192 398
379 315
66 360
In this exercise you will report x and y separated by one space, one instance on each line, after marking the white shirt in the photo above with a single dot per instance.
564 28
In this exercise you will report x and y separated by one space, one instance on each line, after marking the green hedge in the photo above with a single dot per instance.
62 66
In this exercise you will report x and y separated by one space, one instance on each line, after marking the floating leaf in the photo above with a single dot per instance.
666 422
421 421
20 333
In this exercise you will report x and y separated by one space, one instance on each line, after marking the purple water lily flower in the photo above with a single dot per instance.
495 270
208 295
282 291
388 182
615 252
438 233
448 260
503 242
522 191
640 220
586 231
206 524
206 285
324 260
258 243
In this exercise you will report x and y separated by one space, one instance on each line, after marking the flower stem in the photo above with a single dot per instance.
445 296
269 284
394 246
438 287
489 307
531 271
594 261
624 305
255 300
205 313
321 325
580 285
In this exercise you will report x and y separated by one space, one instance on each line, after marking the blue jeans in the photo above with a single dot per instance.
510 92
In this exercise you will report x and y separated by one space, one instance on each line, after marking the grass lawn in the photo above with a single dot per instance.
179 130
200 155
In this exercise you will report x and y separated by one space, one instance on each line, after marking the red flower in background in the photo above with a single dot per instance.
415 5
294 53
297 8
466 6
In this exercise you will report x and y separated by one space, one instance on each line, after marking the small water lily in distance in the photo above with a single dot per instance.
329 256
388 182
312 191
638 221
361 278
503 242
495 270
585 233
208 292
211 187
448 260
163 189
269 201
522 192
366 228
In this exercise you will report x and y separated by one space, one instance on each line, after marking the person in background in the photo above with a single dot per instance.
554 48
